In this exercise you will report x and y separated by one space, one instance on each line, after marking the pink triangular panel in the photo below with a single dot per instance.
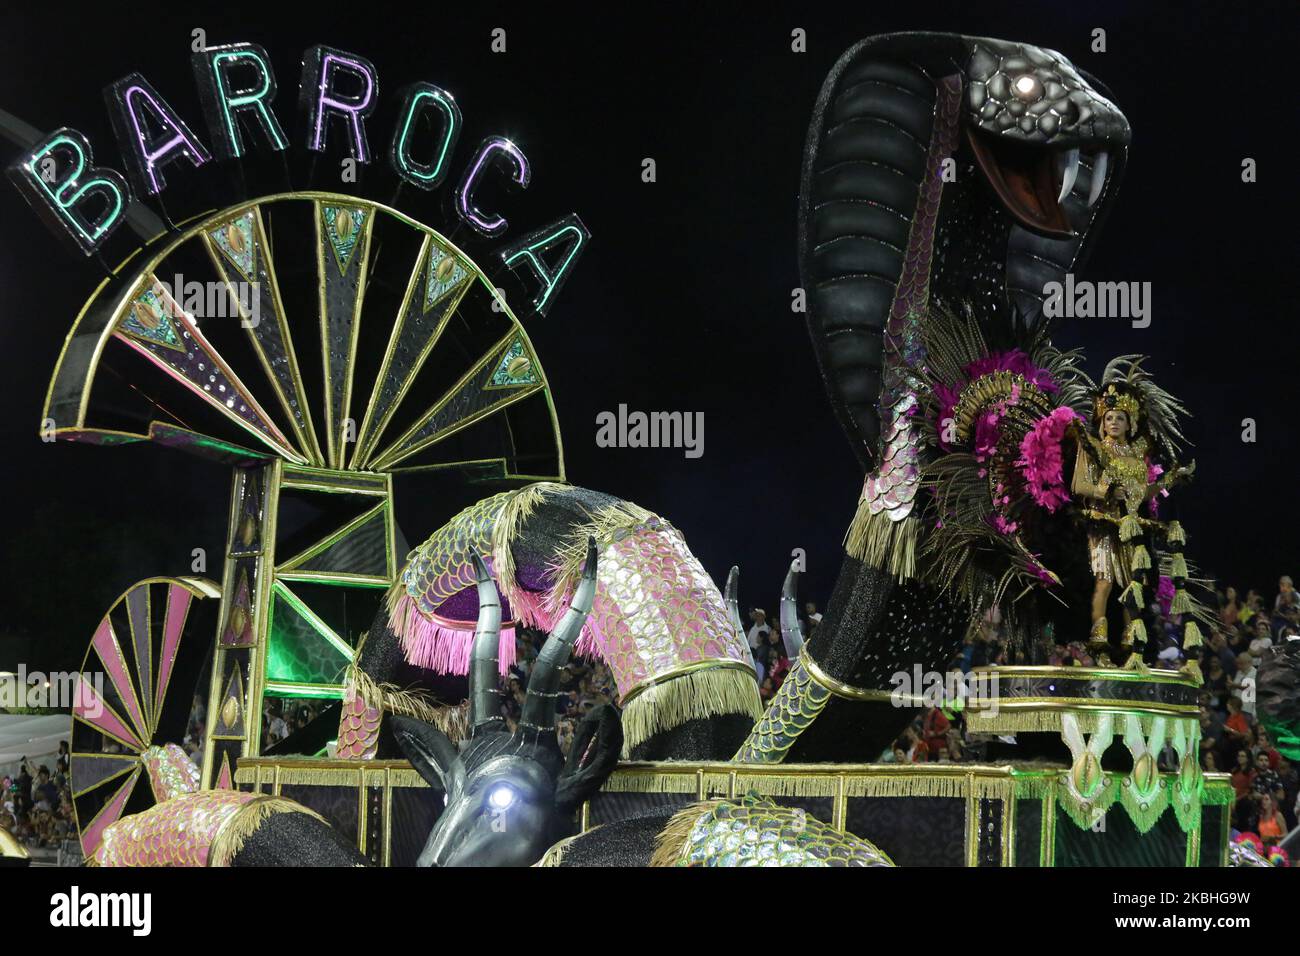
91 707
110 654
178 606
112 812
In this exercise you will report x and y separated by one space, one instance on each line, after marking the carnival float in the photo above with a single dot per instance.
947 182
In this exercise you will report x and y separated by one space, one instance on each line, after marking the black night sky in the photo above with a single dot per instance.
683 300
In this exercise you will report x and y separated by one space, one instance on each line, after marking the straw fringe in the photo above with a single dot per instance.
671 841
883 784
246 821
882 542
696 695
451 719
517 509
602 525
555 855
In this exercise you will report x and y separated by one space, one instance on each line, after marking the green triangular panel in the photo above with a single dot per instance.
516 367
297 652
446 272
363 550
235 240
148 320
343 225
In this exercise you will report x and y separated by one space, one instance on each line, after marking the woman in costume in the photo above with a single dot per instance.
1116 473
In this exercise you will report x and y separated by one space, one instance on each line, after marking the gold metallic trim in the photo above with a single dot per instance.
386 860
1047 835
303 485
720 663
399 451
848 691
281 589
1080 704
335 444
1157 676
1009 826
307 443
972 830
133 763
128 786
340 578
142 259
840 806
324 544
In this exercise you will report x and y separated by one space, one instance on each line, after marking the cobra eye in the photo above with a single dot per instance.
1027 87
501 797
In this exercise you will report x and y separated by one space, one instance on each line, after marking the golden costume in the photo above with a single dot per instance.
1106 465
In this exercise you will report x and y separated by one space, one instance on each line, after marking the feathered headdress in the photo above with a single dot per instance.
1128 386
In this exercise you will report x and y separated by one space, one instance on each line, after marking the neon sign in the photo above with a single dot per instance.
338 91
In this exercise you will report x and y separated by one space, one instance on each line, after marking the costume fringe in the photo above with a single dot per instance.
245 822
1130 527
1178 566
1181 603
698 694
883 783
880 541
1035 721
1175 533
1141 558
555 855
1137 632
437 646
670 843
1191 635
451 719
602 525
1134 591
518 507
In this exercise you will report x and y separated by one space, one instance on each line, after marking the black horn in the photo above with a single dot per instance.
731 595
484 676
790 629
538 712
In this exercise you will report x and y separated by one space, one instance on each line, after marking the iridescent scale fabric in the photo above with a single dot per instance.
656 610
171 771
892 486
442 566
359 728
177 832
754 831
796 705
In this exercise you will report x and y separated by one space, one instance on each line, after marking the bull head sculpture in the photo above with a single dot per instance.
510 796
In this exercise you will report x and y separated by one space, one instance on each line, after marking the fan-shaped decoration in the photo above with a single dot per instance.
136 689
276 329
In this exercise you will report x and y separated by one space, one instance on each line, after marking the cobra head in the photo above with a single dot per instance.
511 796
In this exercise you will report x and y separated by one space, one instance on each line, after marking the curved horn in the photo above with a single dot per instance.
484 678
731 595
790 629
538 712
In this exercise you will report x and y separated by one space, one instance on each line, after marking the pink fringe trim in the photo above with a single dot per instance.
437 646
